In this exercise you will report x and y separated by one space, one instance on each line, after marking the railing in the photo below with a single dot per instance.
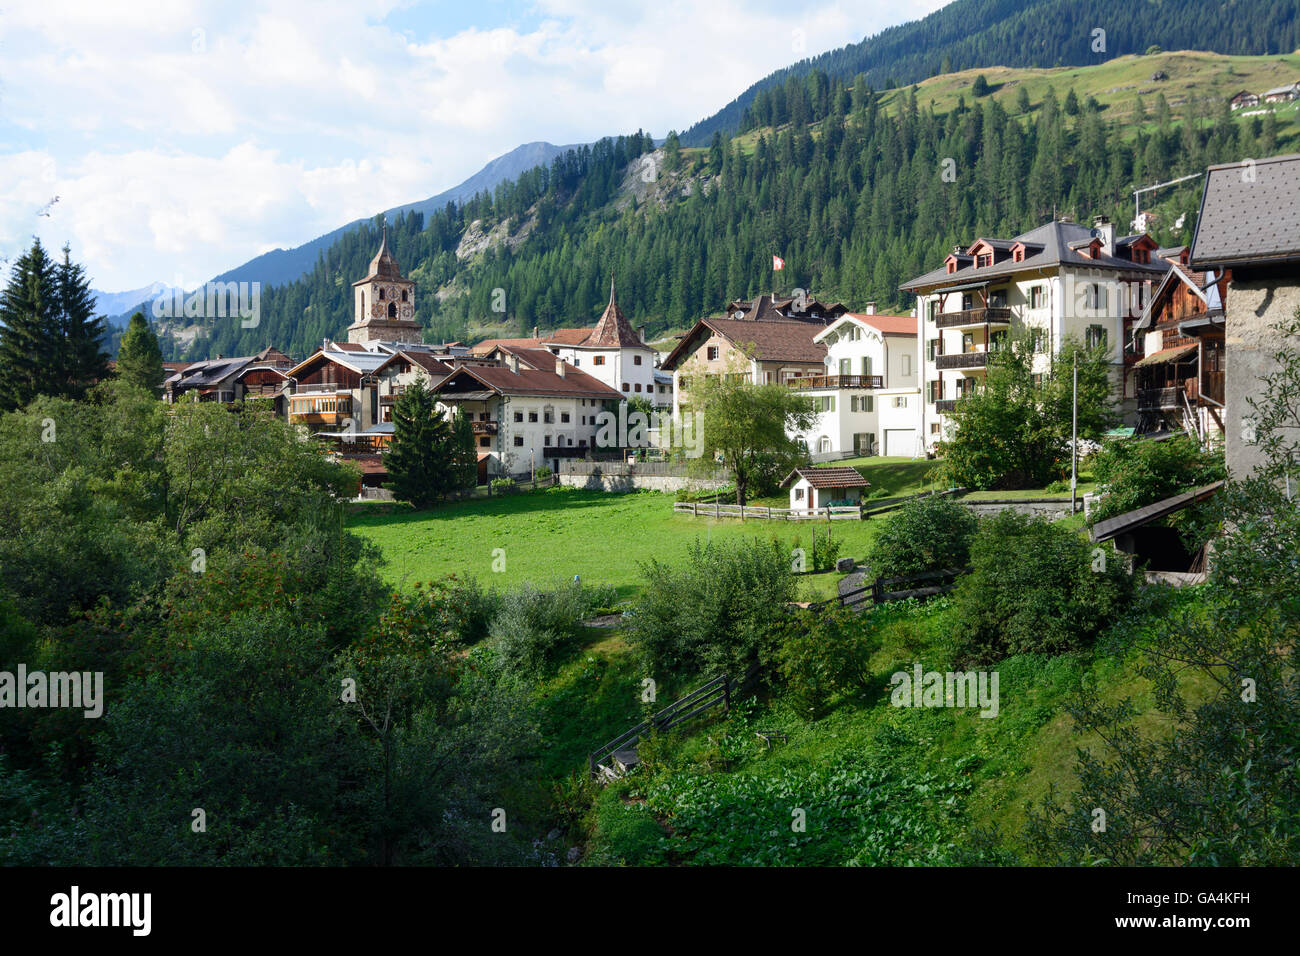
945 406
324 387
484 428
837 381
952 320
1158 399
962 360
718 510
718 691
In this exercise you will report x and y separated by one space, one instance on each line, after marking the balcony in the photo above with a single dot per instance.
945 406
962 360
973 318
326 388
837 381
484 428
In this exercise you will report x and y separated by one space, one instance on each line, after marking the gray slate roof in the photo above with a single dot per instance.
1054 238
1249 221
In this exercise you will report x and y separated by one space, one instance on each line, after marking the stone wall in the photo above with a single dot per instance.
1253 308
1045 507
600 481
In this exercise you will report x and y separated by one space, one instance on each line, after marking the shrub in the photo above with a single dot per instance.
1034 587
502 486
532 626
721 610
543 473
824 653
926 534
1134 473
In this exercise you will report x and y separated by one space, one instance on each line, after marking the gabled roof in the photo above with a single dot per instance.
1053 242
785 340
1249 219
839 476
574 383
884 324
363 362
613 331
435 367
1195 281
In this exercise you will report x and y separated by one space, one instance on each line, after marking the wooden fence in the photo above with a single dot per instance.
883 590
717 509
719 691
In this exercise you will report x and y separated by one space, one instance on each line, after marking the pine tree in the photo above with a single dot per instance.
139 359
29 328
464 456
82 360
418 460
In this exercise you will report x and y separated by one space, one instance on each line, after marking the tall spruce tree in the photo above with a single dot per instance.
464 457
419 460
82 360
139 359
29 328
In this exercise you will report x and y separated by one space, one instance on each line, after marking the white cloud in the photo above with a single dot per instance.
185 138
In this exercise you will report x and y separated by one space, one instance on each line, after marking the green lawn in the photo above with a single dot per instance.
553 534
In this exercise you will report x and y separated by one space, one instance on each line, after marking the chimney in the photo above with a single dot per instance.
534 331
1104 230
958 250
871 308
559 366
640 332
512 362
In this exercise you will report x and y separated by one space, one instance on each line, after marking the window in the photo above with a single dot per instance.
564 417
967 302
934 428
712 353
548 417
846 366
1037 296
636 360
900 401
627 387
983 259
866 365
932 391
931 349
1038 380
1095 337
907 365
636 387
519 416
798 494
932 309
532 416
403 295
853 403
598 360
519 441
1039 340
484 443
546 441
381 295
1094 296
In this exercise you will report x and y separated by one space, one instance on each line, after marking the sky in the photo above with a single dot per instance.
183 137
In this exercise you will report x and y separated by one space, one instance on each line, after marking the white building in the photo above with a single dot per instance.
525 417
1060 281
869 397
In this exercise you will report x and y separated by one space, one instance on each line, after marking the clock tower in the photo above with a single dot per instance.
384 303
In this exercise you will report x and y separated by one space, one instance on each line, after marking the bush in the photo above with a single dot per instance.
824 653
502 486
532 626
926 534
543 473
1035 587
720 611
1134 473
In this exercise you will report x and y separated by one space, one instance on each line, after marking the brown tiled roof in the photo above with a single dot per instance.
532 381
839 476
613 329
566 337
427 362
773 341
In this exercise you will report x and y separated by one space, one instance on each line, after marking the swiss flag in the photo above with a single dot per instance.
777 263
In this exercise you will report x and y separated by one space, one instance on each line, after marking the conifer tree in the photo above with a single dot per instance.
29 328
419 458
139 359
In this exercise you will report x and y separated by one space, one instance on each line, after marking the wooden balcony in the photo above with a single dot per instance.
837 381
945 406
484 428
962 360
970 318
1159 399
325 388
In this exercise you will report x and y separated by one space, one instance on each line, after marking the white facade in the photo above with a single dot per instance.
630 370
870 392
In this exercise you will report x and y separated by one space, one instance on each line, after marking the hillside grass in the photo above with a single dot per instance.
552 534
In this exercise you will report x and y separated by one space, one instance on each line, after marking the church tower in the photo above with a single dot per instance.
384 307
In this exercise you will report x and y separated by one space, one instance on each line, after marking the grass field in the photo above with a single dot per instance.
551 535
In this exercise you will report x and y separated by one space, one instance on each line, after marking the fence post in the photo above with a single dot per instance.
726 692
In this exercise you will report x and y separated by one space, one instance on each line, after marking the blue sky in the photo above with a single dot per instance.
183 137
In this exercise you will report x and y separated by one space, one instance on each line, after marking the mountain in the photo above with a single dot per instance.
1032 33
118 306
284 265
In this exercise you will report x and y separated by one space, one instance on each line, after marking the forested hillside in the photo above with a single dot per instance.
852 194
1033 33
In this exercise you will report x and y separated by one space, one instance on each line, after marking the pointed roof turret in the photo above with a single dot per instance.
383 265
613 330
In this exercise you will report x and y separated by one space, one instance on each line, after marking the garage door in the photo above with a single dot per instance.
900 441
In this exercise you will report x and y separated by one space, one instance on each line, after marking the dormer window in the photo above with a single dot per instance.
983 260
951 264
